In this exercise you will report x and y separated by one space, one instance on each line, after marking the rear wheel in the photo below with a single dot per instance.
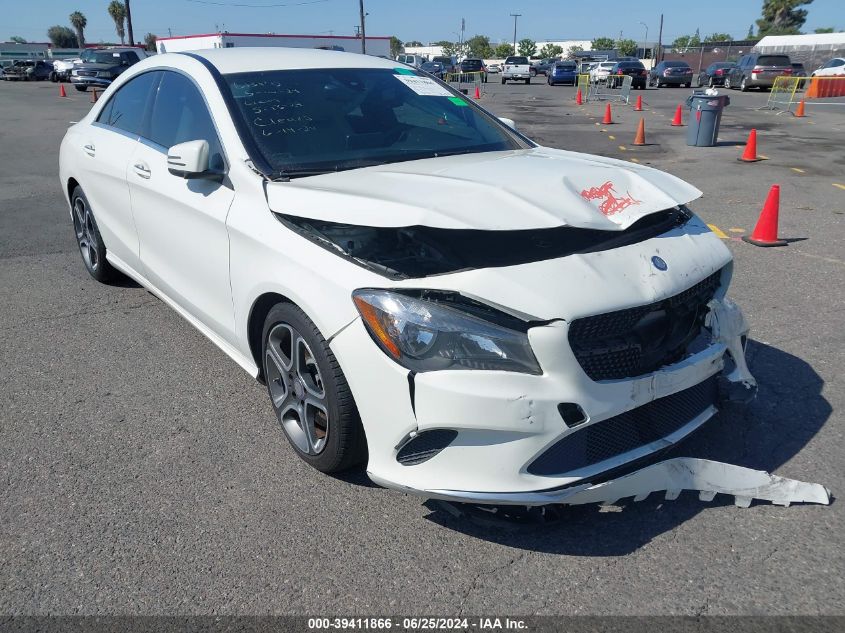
309 392
503 81
742 85
89 240
728 83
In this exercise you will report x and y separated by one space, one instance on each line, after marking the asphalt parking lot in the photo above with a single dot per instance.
144 473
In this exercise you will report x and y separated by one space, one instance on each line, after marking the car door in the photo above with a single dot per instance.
107 145
184 244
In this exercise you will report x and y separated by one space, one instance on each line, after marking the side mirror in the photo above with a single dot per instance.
190 160
509 122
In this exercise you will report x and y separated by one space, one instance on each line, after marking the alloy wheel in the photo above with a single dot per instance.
83 224
297 389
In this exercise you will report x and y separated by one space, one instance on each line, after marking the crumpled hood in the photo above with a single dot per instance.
512 190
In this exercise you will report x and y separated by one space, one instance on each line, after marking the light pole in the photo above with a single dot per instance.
645 38
363 29
515 16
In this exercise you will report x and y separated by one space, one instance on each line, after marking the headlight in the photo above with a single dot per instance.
74 72
422 335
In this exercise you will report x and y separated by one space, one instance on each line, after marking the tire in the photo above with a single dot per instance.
334 440
742 86
54 77
698 82
503 81
710 83
88 239
81 88
728 83
528 81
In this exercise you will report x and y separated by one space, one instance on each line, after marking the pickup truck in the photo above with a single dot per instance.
516 68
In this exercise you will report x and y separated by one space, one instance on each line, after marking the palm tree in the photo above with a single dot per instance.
117 11
77 19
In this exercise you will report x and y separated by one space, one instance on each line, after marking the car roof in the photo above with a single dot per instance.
255 59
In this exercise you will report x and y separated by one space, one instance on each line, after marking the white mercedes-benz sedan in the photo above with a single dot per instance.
362 238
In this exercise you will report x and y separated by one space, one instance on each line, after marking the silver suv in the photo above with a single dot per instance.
758 71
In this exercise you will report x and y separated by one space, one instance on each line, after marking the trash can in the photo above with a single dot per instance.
705 114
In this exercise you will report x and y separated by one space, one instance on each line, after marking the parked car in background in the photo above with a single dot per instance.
671 73
635 70
449 63
758 71
563 73
99 67
584 68
714 74
832 68
28 70
798 70
494 68
434 68
543 66
411 60
62 69
600 71
4 64
471 65
516 68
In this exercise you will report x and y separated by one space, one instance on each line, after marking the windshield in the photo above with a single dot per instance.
326 119
773 60
519 61
676 64
100 57
469 64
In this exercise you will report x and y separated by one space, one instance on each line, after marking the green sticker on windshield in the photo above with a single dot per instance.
404 71
458 101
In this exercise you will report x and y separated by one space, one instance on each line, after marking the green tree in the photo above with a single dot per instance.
117 11
827 29
602 44
414 43
79 22
574 50
687 41
62 37
782 17
718 37
626 47
550 50
17 39
479 46
396 46
750 34
503 50
527 47
150 42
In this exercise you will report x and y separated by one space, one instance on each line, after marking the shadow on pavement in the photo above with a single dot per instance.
787 413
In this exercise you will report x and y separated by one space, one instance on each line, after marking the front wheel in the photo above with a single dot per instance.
89 240
309 392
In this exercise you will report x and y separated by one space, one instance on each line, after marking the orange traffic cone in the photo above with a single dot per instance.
678 120
579 99
608 116
750 153
62 92
639 106
477 92
640 138
766 231
799 111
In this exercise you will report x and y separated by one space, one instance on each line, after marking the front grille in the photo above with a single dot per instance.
424 446
636 341
626 432
86 73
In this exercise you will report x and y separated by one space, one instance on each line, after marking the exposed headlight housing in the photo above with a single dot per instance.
425 335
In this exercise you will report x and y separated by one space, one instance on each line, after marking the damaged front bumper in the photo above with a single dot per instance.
670 477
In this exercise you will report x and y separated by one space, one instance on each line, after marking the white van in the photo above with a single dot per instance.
411 60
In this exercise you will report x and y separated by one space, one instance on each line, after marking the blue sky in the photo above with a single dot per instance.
425 20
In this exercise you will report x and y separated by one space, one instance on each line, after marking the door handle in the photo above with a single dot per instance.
142 170
89 149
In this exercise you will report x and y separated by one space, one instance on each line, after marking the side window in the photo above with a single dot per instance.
127 108
180 115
